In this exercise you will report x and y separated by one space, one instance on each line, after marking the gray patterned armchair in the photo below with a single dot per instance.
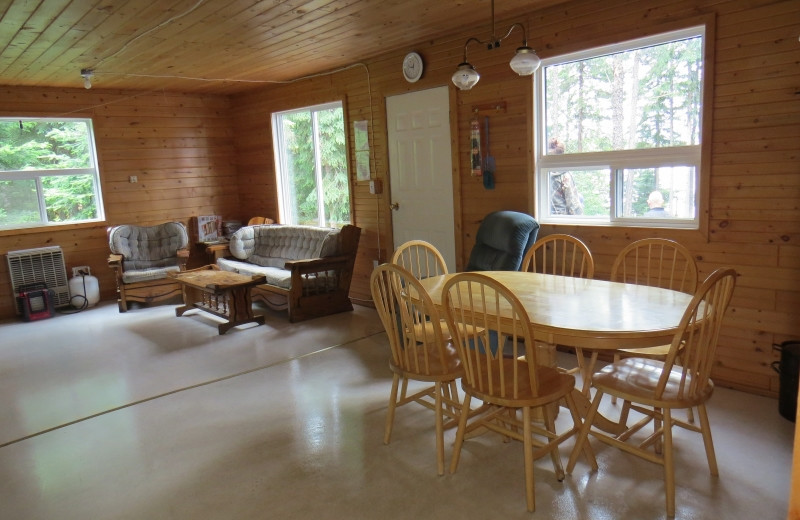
141 257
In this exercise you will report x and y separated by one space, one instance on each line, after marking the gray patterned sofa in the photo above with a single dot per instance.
308 269
141 257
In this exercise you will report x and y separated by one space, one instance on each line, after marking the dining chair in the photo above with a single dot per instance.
656 262
559 254
657 387
420 350
420 258
563 255
506 379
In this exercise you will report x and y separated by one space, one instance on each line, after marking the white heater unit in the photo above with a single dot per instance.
40 265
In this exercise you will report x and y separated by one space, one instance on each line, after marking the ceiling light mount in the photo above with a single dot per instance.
87 75
525 61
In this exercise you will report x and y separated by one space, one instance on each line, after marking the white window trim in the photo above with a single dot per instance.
37 175
615 160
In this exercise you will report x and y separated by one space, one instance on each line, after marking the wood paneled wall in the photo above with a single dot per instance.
754 218
180 147
202 155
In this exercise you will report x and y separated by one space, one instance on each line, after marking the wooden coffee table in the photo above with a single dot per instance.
221 293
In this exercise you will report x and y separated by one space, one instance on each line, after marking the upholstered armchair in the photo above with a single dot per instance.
502 240
141 257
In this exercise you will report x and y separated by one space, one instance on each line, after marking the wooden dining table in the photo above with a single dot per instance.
588 313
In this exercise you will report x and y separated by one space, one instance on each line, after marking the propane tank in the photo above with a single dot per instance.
84 289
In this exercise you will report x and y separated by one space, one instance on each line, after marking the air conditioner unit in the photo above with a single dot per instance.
42 265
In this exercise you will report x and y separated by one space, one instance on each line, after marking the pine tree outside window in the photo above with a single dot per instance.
48 173
311 166
619 133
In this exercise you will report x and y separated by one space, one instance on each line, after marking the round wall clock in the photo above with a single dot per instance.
412 67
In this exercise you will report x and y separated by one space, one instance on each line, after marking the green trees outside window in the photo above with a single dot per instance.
311 165
622 122
47 172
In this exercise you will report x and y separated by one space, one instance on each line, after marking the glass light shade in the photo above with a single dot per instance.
525 61
465 77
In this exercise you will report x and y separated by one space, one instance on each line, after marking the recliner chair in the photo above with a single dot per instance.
502 240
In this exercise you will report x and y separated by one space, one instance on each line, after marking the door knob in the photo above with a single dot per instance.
394 205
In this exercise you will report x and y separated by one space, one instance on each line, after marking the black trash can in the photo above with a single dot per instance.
789 369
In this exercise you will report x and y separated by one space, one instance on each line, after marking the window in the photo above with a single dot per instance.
311 166
48 173
618 133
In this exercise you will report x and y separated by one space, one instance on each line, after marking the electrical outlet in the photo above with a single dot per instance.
81 269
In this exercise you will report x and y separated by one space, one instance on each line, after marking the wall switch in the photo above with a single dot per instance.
133 178
374 264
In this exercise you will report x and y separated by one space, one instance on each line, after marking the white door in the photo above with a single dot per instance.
420 170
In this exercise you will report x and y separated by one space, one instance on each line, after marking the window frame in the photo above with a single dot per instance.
286 216
697 156
37 175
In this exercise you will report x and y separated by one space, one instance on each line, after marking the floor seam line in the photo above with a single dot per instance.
186 388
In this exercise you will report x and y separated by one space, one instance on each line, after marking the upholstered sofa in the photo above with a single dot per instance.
141 257
308 269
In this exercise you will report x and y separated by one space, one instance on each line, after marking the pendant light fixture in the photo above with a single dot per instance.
525 61
87 75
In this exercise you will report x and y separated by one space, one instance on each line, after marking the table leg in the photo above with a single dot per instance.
583 403
240 309
187 300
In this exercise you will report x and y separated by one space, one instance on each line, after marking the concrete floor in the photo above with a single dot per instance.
144 415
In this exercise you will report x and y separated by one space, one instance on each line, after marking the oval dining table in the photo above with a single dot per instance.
587 313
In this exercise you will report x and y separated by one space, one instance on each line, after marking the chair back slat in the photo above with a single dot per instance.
695 343
657 262
420 258
412 323
493 337
559 254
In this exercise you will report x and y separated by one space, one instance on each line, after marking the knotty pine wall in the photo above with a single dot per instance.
179 146
213 155
753 208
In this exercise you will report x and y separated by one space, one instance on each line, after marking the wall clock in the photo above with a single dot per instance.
412 67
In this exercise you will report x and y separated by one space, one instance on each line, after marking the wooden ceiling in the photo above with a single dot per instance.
219 46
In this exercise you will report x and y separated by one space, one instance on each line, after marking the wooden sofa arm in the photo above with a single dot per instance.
115 261
310 265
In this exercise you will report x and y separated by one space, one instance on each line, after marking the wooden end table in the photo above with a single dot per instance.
221 293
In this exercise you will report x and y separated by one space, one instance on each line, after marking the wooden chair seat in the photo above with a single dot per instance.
637 379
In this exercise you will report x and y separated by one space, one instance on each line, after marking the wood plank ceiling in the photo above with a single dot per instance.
219 46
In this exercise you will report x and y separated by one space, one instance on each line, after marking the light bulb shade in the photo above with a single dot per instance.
87 82
465 77
525 61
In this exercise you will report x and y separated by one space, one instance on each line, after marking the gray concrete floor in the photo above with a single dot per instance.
144 415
